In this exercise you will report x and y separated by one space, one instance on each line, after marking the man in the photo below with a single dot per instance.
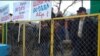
58 38
45 38
75 41
83 35
87 31
52 14
59 35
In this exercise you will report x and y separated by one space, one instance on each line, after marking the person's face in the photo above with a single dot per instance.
44 25
81 13
56 25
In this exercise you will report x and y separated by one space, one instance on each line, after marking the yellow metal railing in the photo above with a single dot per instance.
52 38
98 50
73 17
23 39
52 32
2 33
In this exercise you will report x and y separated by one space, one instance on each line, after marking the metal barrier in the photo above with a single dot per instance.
82 34
62 36
16 48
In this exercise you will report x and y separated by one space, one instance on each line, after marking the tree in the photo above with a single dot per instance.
59 6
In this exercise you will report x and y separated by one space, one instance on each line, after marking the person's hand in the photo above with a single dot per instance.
79 34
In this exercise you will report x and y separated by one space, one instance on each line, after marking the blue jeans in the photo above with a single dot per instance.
44 47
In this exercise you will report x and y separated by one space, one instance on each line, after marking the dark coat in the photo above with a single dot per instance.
89 37
45 35
87 44
59 34
73 28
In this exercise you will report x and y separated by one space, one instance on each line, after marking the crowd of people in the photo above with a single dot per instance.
81 31
83 34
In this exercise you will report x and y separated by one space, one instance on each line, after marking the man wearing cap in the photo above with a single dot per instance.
82 32
87 34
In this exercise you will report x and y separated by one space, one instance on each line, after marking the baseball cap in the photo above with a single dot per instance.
81 9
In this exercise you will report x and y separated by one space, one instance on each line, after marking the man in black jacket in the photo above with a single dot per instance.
75 41
59 35
45 38
83 35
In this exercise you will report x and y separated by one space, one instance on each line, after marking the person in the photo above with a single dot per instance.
52 14
75 41
59 36
30 36
13 29
45 38
84 36
87 31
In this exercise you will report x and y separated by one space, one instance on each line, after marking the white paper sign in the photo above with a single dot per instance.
4 14
41 10
21 11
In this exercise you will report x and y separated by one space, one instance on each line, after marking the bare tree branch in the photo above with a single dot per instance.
69 6
59 5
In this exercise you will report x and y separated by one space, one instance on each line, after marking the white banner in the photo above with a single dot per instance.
4 14
21 11
41 10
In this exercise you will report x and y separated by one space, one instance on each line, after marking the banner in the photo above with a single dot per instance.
40 10
21 11
4 14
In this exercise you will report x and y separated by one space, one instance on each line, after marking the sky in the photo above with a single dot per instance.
75 7
72 9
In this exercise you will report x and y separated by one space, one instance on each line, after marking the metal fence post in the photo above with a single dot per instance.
98 35
2 33
6 32
52 38
24 39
